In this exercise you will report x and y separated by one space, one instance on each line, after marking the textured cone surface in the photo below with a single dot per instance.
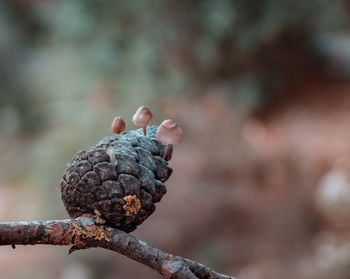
120 179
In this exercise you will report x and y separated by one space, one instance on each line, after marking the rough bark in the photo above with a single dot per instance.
85 232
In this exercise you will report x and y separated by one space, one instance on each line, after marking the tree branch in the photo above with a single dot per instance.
83 233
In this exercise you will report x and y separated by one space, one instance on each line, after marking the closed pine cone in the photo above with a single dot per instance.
119 180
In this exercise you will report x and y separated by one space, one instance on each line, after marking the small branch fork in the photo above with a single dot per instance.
83 233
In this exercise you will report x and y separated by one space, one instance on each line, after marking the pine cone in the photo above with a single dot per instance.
120 179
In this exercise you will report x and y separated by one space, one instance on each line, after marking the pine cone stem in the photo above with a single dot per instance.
168 151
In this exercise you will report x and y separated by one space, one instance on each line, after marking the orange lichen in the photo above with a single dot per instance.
133 204
78 234
98 219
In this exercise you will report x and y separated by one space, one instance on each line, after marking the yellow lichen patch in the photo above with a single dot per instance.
98 219
133 204
77 235
73 235
98 234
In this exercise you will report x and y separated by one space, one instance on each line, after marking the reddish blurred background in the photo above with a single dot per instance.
261 185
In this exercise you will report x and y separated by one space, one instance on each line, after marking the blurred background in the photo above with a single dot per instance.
261 187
